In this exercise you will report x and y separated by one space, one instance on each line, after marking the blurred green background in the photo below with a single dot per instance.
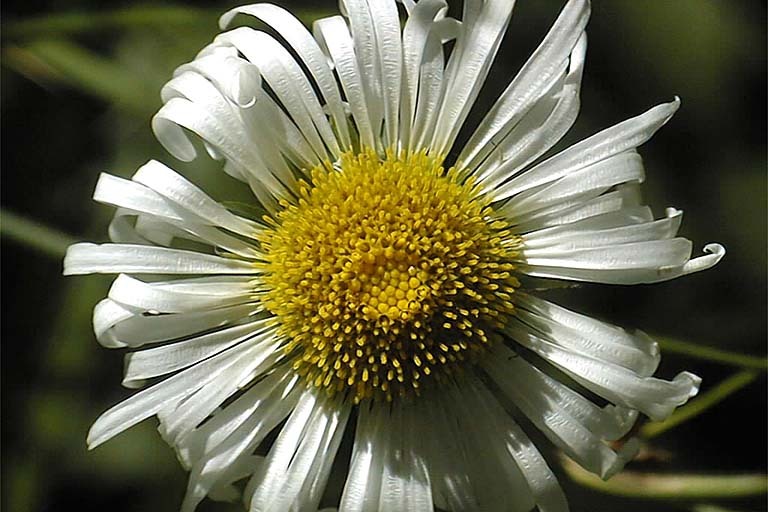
80 82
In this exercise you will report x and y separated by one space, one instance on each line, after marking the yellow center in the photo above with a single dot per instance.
386 275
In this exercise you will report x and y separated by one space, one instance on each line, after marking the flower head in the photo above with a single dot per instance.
385 283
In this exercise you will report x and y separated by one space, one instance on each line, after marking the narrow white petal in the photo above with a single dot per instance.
635 351
405 481
363 33
416 32
87 258
626 198
154 362
132 196
499 483
246 420
654 397
361 490
591 180
389 46
566 418
176 188
662 229
431 83
297 467
164 297
333 36
237 79
484 23
293 31
117 325
148 402
541 128
190 412
617 139
533 81
290 84
669 263
544 488
626 218
179 114
449 470
220 445
652 254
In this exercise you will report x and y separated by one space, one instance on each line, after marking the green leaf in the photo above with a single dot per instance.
71 23
161 17
59 61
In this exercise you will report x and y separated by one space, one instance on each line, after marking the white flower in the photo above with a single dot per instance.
378 285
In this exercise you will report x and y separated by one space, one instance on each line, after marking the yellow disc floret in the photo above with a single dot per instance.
386 274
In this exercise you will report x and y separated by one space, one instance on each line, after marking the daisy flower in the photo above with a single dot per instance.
383 283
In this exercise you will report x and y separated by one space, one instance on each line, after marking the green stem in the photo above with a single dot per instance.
60 60
712 354
33 234
169 16
701 403
671 486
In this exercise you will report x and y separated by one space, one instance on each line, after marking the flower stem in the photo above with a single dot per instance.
671 486
33 234
712 354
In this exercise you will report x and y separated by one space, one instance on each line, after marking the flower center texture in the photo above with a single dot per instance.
387 275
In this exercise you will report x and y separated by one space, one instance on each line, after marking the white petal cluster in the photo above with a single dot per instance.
271 109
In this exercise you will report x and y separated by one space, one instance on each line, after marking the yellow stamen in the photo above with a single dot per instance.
380 265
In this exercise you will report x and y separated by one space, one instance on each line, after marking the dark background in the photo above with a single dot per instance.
80 82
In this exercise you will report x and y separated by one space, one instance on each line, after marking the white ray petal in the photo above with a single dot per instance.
363 33
389 45
289 83
540 129
165 298
531 83
551 408
361 490
117 325
87 258
176 188
624 136
333 36
214 449
635 351
296 468
653 254
237 79
498 481
654 397
625 198
484 25
148 402
294 32
591 180
415 34
541 482
179 114
190 412
661 229
644 266
154 362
